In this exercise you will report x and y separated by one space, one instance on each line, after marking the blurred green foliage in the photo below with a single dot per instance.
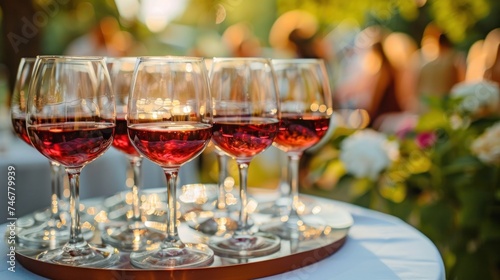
438 184
465 21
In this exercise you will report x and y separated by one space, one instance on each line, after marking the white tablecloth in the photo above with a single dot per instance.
378 247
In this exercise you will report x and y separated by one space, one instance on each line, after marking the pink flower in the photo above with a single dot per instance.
425 140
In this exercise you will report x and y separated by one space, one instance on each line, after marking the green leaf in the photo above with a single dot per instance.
432 120
461 164
436 220
490 230
472 266
361 186
473 206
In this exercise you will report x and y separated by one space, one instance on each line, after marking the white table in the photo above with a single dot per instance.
378 246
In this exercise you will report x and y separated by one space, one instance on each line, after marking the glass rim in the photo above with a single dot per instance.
246 58
120 58
71 57
171 58
28 59
297 60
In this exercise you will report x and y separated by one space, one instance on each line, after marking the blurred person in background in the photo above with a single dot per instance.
241 41
493 72
438 66
105 39
370 79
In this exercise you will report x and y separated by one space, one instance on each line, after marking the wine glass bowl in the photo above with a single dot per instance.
217 221
306 108
53 230
70 119
18 102
169 122
245 123
131 234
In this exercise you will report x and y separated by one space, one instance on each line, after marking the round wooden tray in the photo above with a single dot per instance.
292 255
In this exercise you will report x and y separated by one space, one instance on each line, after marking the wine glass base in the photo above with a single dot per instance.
42 216
130 238
282 206
48 237
117 207
210 222
246 245
191 255
25 222
293 230
277 208
89 255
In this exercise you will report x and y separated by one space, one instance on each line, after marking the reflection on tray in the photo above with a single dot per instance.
292 252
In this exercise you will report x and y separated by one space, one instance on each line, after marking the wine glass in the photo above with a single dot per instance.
245 122
70 119
169 122
53 231
132 235
306 107
218 221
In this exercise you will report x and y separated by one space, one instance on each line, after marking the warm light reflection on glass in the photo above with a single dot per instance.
194 193
229 184
316 209
91 210
101 217
129 182
231 199
152 204
251 206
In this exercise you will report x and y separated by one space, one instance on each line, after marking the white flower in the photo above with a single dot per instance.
367 152
487 146
478 97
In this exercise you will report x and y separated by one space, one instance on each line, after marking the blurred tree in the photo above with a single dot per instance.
463 21
31 27
21 33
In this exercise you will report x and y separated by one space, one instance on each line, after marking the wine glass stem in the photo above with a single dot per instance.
284 185
172 237
222 162
135 167
75 236
56 186
293 169
243 219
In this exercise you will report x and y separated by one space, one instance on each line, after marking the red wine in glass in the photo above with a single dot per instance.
72 144
298 132
19 125
70 118
306 107
246 115
169 144
121 141
244 137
